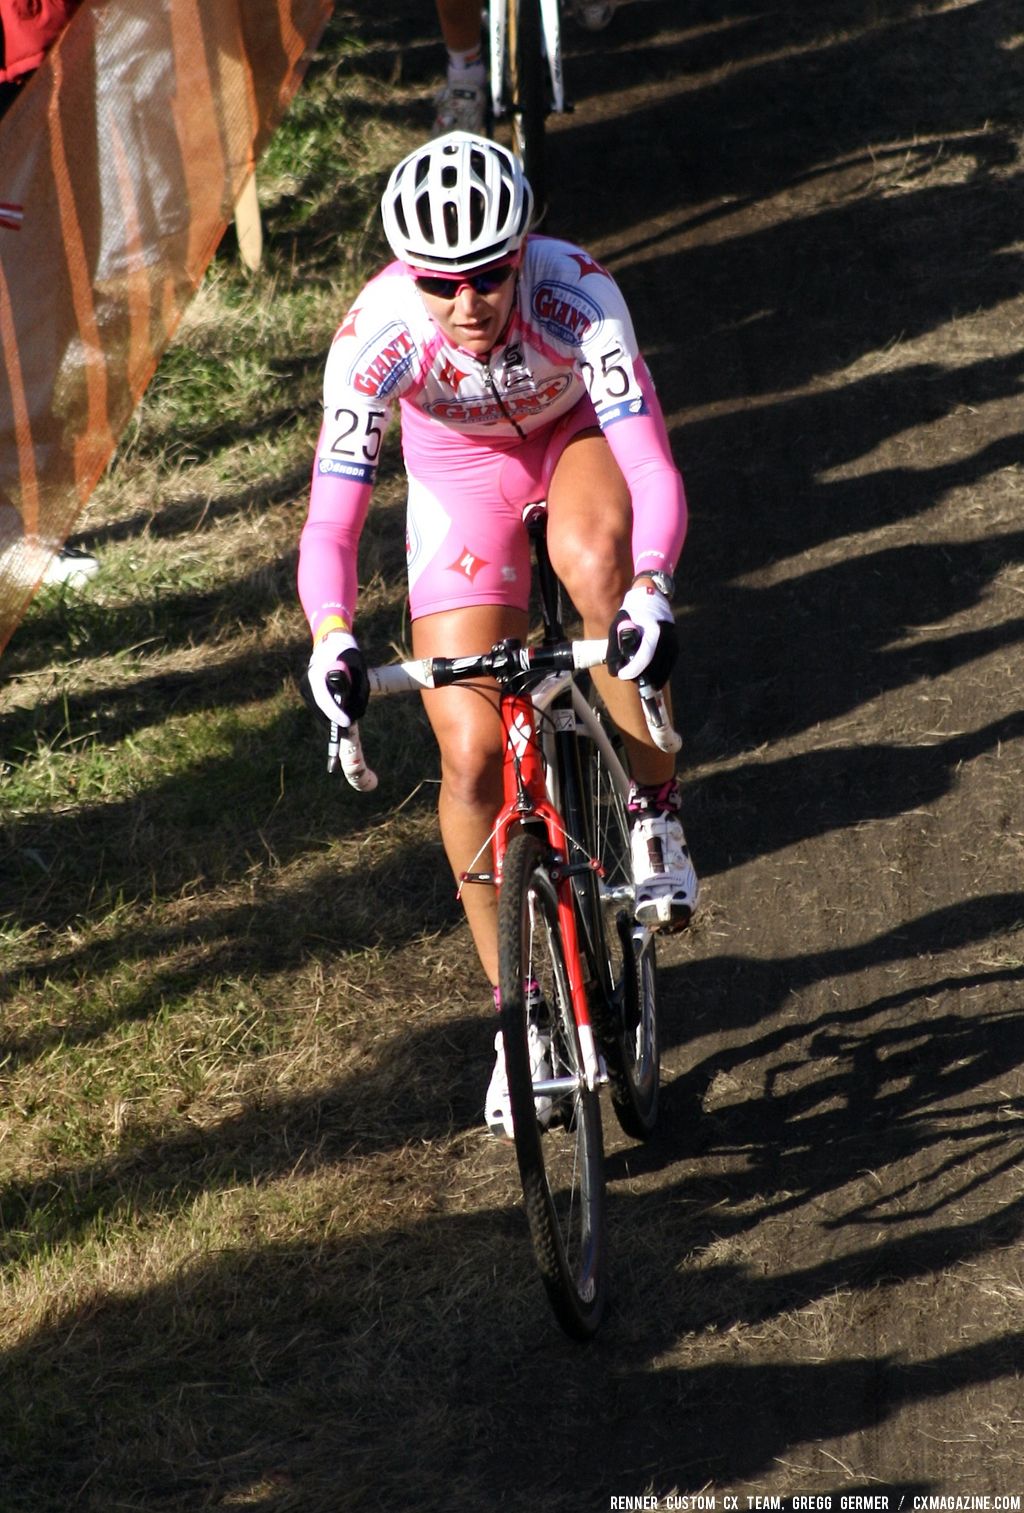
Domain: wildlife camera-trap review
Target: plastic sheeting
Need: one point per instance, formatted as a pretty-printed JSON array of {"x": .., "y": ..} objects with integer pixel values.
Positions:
[{"x": 120, "y": 165}]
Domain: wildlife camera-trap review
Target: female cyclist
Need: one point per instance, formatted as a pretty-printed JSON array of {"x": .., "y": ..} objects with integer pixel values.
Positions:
[{"x": 514, "y": 364}]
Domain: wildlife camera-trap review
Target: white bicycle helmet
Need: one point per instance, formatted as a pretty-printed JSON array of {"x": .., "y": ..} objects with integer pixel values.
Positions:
[{"x": 456, "y": 203}]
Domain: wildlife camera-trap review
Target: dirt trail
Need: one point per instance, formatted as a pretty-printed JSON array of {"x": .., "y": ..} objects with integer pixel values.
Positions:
[{"x": 816, "y": 215}]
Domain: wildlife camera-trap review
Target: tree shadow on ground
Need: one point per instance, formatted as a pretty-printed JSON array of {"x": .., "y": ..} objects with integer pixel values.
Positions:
[
  {"x": 250, "y": 1363},
  {"x": 856, "y": 1093},
  {"x": 739, "y": 106},
  {"x": 733, "y": 993},
  {"x": 760, "y": 808},
  {"x": 876, "y": 1094}
]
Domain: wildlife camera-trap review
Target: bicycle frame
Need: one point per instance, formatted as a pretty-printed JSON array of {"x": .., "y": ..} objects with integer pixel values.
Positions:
[
  {"x": 560, "y": 927},
  {"x": 527, "y": 800}
]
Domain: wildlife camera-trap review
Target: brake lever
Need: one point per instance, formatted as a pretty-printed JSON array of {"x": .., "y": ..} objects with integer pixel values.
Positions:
[
  {"x": 655, "y": 705},
  {"x": 344, "y": 747}
]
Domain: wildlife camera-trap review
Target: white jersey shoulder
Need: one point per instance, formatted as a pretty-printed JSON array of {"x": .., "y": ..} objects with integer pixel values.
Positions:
[
  {"x": 576, "y": 306},
  {"x": 378, "y": 346}
]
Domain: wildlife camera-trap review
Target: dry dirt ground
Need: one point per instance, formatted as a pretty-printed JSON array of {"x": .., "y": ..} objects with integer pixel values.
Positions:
[{"x": 816, "y": 213}]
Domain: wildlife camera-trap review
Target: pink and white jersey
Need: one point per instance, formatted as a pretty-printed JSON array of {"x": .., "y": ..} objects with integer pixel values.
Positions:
[{"x": 569, "y": 335}]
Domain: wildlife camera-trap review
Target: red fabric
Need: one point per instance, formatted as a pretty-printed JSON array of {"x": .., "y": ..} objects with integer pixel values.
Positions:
[{"x": 29, "y": 30}]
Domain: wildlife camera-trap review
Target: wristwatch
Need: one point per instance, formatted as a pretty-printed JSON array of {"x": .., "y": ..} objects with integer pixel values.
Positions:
[{"x": 663, "y": 582}]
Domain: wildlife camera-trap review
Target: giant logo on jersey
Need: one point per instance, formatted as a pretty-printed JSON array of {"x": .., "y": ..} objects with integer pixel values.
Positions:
[
  {"x": 566, "y": 312},
  {"x": 383, "y": 362},
  {"x": 482, "y": 410}
]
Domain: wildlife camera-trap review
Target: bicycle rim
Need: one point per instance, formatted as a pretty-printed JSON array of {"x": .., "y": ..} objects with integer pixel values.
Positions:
[
  {"x": 528, "y": 93},
  {"x": 624, "y": 950},
  {"x": 561, "y": 1166}
]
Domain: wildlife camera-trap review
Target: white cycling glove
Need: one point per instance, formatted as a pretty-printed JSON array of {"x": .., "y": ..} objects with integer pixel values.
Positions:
[
  {"x": 339, "y": 653},
  {"x": 647, "y": 612}
]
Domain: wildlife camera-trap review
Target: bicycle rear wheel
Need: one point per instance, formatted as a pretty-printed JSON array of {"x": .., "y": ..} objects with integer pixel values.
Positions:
[
  {"x": 526, "y": 69},
  {"x": 561, "y": 1167},
  {"x": 623, "y": 950}
]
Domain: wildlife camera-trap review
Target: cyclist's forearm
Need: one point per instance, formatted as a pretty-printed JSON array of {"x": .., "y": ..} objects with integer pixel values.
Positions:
[
  {"x": 640, "y": 445},
  {"x": 327, "y": 578},
  {"x": 659, "y": 517}
]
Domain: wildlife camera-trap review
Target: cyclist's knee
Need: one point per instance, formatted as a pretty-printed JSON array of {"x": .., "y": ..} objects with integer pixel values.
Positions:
[
  {"x": 595, "y": 577},
  {"x": 470, "y": 772}
]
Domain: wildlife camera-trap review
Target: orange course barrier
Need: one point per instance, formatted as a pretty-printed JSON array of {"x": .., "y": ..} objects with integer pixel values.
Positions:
[{"x": 120, "y": 165}]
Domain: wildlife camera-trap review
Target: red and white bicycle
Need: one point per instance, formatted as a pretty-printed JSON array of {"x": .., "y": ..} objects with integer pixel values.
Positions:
[{"x": 568, "y": 939}]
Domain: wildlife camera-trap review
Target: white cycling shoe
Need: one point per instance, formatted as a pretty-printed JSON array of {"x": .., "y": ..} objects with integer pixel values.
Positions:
[
  {"x": 666, "y": 884},
  {"x": 462, "y": 103},
  {"x": 497, "y": 1108}
]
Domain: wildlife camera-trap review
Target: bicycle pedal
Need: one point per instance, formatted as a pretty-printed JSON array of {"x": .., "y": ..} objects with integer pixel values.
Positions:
[
  {"x": 676, "y": 925},
  {"x": 661, "y": 917}
]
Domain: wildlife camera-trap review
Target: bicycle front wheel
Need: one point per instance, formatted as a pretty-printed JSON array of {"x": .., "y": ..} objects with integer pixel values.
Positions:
[
  {"x": 556, "y": 1118},
  {"x": 526, "y": 72}
]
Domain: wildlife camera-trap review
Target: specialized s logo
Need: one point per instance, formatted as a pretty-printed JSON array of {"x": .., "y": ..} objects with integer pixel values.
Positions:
[
  {"x": 519, "y": 736},
  {"x": 514, "y": 372},
  {"x": 383, "y": 362},
  {"x": 467, "y": 563},
  {"x": 567, "y": 313}
]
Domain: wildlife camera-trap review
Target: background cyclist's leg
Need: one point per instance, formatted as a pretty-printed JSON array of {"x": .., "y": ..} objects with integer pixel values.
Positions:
[
  {"x": 460, "y": 24},
  {"x": 467, "y": 727},
  {"x": 590, "y": 521},
  {"x": 462, "y": 104}
]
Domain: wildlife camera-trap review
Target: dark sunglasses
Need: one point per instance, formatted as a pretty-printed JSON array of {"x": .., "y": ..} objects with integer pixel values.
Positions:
[{"x": 482, "y": 283}]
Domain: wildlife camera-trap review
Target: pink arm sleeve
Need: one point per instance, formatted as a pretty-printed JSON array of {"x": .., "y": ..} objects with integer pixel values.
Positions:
[
  {"x": 328, "y": 585},
  {"x": 640, "y": 446}
]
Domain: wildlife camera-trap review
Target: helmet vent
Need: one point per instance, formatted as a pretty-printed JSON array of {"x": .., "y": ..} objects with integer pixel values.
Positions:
[{"x": 451, "y": 224}]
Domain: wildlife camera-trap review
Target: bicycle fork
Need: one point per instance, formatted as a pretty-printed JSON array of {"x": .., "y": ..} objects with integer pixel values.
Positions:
[
  {"x": 526, "y": 801},
  {"x": 551, "y": 36}
]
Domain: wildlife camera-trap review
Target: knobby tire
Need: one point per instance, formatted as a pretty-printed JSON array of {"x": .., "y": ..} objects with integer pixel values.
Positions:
[{"x": 561, "y": 1167}]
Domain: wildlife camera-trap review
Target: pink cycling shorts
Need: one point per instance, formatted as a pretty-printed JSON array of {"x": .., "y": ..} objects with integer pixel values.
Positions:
[{"x": 466, "y": 542}]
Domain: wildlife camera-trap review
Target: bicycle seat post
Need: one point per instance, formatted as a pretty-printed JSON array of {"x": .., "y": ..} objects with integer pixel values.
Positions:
[{"x": 548, "y": 587}]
